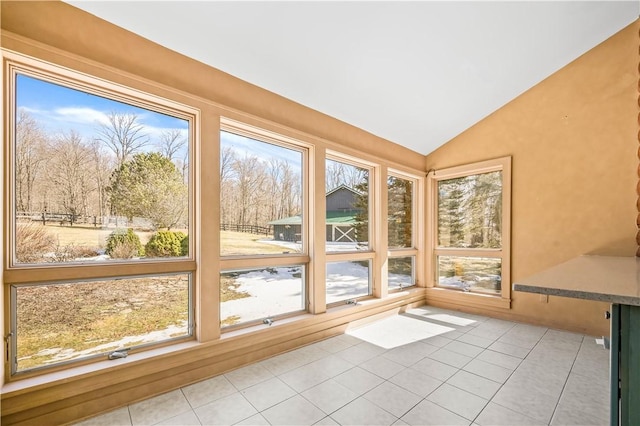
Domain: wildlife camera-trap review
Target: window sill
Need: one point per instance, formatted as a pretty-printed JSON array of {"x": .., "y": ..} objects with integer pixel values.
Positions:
[
  {"x": 477, "y": 300},
  {"x": 44, "y": 380}
]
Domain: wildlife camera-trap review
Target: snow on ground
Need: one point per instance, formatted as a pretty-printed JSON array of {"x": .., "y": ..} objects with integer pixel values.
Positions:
[
  {"x": 60, "y": 355},
  {"x": 280, "y": 290},
  {"x": 272, "y": 291}
]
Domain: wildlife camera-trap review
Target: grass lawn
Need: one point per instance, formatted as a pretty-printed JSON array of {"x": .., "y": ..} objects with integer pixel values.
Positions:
[
  {"x": 239, "y": 243},
  {"x": 232, "y": 243},
  {"x": 87, "y": 236},
  {"x": 60, "y": 322},
  {"x": 63, "y": 321}
]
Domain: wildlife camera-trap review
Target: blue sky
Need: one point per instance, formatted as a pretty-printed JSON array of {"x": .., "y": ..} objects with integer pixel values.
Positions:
[
  {"x": 244, "y": 146},
  {"x": 60, "y": 109}
]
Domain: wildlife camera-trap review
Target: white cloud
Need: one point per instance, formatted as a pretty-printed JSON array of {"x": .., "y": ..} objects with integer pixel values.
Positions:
[{"x": 80, "y": 115}]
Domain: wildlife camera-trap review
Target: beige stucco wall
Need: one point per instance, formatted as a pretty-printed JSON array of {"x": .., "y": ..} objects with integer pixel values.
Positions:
[{"x": 573, "y": 140}]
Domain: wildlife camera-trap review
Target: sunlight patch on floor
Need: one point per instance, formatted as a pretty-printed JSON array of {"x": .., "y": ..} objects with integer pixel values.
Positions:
[{"x": 397, "y": 331}]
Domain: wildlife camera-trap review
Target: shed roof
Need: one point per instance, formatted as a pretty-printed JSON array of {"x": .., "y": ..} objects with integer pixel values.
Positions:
[{"x": 337, "y": 217}]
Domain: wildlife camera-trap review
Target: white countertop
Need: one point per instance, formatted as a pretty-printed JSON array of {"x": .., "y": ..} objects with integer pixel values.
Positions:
[{"x": 613, "y": 279}]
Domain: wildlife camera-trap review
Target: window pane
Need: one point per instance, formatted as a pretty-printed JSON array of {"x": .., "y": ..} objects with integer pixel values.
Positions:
[
  {"x": 348, "y": 280},
  {"x": 95, "y": 179},
  {"x": 260, "y": 197},
  {"x": 470, "y": 211},
  {"x": 256, "y": 294},
  {"x": 400, "y": 212},
  {"x": 347, "y": 204},
  {"x": 476, "y": 274},
  {"x": 63, "y": 322},
  {"x": 401, "y": 272}
]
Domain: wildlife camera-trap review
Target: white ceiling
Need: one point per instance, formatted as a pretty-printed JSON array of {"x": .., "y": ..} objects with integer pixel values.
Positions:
[{"x": 416, "y": 73}]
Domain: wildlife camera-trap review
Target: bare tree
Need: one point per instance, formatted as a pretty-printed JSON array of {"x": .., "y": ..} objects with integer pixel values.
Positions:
[
  {"x": 172, "y": 141},
  {"x": 338, "y": 173},
  {"x": 227, "y": 158},
  {"x": 250, "y": 177},
  {"x": 30, "y": 154},
  {"x": 102, "y": 165},
  {"x": 71, "y": 174},
  {"x": 291, "y": 191},
  {"x": 124, "y": 135}
]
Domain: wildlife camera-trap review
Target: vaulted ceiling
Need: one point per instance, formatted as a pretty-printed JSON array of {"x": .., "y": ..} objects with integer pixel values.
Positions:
[{"x": 416, "y": 73}]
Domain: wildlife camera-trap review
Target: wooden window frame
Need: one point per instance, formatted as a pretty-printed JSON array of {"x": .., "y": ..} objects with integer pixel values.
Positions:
[
  {"x": 417, "y": 242},
  {"x": 376, "y": 284},
  {"x": 17, "y": 274},
  {"x": 255, "y": 261},
  {"x": 502, "y": 301}
]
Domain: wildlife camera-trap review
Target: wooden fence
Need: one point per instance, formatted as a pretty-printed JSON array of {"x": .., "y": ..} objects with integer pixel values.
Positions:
[{"x": 250, "y": 229}]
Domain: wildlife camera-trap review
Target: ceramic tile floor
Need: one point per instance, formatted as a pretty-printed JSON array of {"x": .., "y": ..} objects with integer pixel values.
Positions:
[{"x": 428, "y": 366}]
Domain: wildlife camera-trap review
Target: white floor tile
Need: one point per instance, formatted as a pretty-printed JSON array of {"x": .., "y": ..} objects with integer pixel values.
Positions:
[
  {"x": 584, "y": 400},
  {"x": 267, "y": 394},
  {"x": 332, "y": 364},
  {"x": 463, "y": 348},
  {"x": 450, "y": 358},
  {"x": 285, "y": 362},
  {"x": 327, "y": 421},
  {"x": 435, "y": 369},
  {"x": 475, "y": 384},
  {"x": 329, "y": 396},
  {"x": 393, "y": 398},
  {"x": 496, "y": 373},
  {"x": 500, "y": 359},
  {"x": 497, "y": 415},
  {"x": 458, "y": 401},
  {"x": 408, "y": 355},
  {"x": 305, "y": 377},
  {"x": 475, "y": 340},
  {"x": 255, "y": 420},
  {"x": 363, "y": 412},
  {"x": 225, "y": 411},
  {"x": 359, "y": 380},
  {"x": 159, "y": 408},
  {"x": 207, "y": 391},
  {"x": 383, "y": 367},
  {"x": 333, "y": 345},
  {"x": 528, "y": 401},
  {"x": 294, "y": 411},
  {"x": 508, "y": 349},
  {"x": 427, "y": 413},
  {"x": 488, "y": 371},
  {"x": 414, "y": 381},
  {"x": 360, "y": 353},
  {"x": 248, "y": 376},
  {"x": 436, "y": 340},
  {"x": 119, "y": 417},
  {"x": 186, "y": 419}
]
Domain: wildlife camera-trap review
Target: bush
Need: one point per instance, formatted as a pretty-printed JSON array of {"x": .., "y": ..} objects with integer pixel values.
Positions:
[
  {"x": 184, "y": 246},
  {"x": 123, "y": 244},
  {"x": 72, "y": 252},
  {"x": 165, "y": 244},
  {"x": 33, "y": 241}
]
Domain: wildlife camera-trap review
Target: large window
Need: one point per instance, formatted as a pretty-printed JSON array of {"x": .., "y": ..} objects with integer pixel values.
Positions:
[
  {"x": 96, "y": 179},
  {"x": 263, "y": 226},
  {"x": 348, "y": 188},
  {"x": 104, "y": 227},
  {"x": 261, "y": 294},
  {"x": 472, "y": 227},
  {"x": 347, "y": 205},
  {"x": 61, "y": 322},
  {"x": 401, "y": 212},
  {"x": 100, "y": 257},
  {"x": 260, "y": 196}
]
